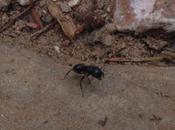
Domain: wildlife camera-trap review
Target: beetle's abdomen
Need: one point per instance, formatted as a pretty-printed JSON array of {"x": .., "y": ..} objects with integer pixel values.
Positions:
[{"x": 94, "y": 71}]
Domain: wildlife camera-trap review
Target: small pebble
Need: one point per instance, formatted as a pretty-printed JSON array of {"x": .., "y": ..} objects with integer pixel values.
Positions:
[
  {"x": 64, "y": 7},
  {"x": 24, "y": 2},
  {"x": 108, "y": 40},
  {"x": 73, "y": 3},
  {"x": 57, "y": 49}
]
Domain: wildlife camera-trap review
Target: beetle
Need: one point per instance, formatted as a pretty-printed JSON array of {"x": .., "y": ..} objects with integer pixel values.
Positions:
[{"x": 86, "y": 71}]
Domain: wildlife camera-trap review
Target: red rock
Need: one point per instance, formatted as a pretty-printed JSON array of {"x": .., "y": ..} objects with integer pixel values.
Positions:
[{"x": 141, "y": 15}]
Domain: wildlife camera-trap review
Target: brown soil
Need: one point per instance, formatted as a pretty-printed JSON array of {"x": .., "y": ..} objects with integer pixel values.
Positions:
[{"x": 56, "y": 46}]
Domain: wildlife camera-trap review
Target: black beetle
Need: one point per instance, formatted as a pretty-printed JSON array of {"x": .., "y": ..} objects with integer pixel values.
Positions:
[{"x": 86, "y": 71}]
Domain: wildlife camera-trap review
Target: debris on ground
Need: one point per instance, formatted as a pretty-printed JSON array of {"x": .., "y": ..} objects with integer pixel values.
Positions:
[{"x": 92, "y": 31}]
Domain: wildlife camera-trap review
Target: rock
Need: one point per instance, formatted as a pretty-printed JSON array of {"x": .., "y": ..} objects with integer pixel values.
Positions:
[
  {"x": 110, "y": 27},
  {"x": 101, "y": 36},
  {"x": 64, "y": 7},
  {"x": 4, "y": 4},
  {"x": 57, "y": 49},
  {"x": 24, "y": 2},
  {"x": 73, "y": 3},
  {"x": 141, "y": 15},
  {"x": 108, "y": 40}
]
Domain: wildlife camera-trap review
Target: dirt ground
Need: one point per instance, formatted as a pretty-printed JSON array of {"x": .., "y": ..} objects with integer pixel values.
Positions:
[
  {"x": 133, "y": 96},
  {"x": 33, "y": 96}
]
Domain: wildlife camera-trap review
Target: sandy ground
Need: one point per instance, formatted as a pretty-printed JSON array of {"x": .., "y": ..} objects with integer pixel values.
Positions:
[{"x": 33, "y": 96}]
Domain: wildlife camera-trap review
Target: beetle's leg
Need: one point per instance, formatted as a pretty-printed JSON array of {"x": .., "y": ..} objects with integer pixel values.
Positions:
[
  {"x": 81, "y": 87},
  {"x": 67, "y": 73},
  {"x": 89, "y": 79}
]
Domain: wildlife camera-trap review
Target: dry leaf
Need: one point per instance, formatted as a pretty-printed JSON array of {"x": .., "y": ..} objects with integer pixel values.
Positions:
[{"x": 65, "y": 22}]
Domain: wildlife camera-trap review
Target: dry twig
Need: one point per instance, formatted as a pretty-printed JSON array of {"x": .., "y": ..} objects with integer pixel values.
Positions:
[{"x": 38, "y": 33}]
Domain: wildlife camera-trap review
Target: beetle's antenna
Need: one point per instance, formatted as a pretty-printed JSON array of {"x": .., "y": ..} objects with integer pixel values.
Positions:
[{"x": 67, "y": 73}]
